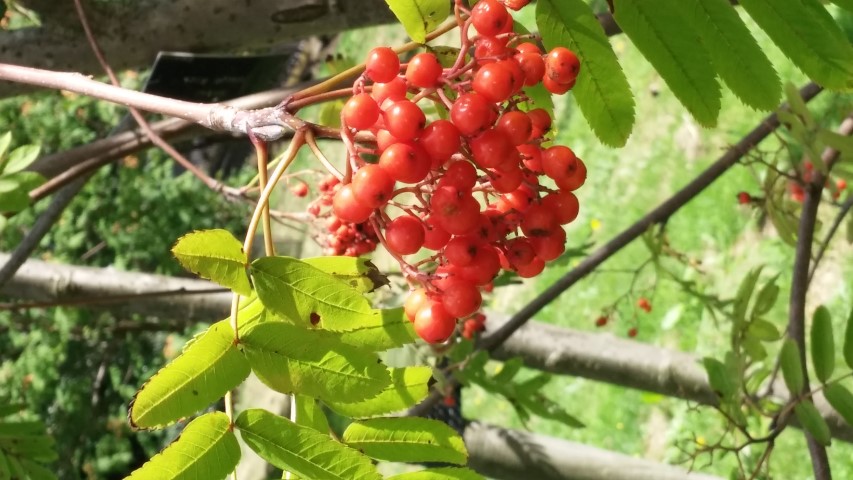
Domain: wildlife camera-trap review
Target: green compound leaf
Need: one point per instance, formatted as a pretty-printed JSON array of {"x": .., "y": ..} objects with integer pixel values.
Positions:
[
  {"x": 290, "y": 359},
  {"x": 848, "y": 340},
  {"x": 206, "y": 450},
  {"x": 5, "y": 469},
  {"x": 822, "y": 344},
  {"x": 601, "y": 91},
  {"x": 841, "y": 400},
  {"x": 739, "y": 60},
  {"x": 766, "y": 298},
  {"x": 211, "y": 366},
  {"x": 301, "y": 450},
  {"x": 383, "y": 330},
  {"x": 845, "y": 4},
  {"x": 307, "y": 295},
  {"x": 792, "y": 367},
  {"x": 744, "y": 293},
  {"x": 36, "y": 471},
  {"x": 420, "y": 17},
  {"x": 357, "y": 272},
  {"x": 810, "y": 39},
  {"x": 763, "y": 330},
  {"x": 21, "y": 158},
  {"x": 407, "y": 439},
  {"x": 447, "y": 473},
  {"x": 215, "y": 255},
  {"x": 310, "y": 414},
  {"x": 408, "y": 386},
  {"x": 809, "y": 417},
  {"x": 670, "y": 44}
]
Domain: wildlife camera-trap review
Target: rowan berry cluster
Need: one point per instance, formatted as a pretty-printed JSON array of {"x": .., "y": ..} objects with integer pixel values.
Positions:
[
  {"x": 340, "y": 237},
  {"x": 465, "y": 186}
]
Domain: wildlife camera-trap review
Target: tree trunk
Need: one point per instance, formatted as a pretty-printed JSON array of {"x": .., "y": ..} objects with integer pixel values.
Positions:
[{"x": 131, "y": 33}]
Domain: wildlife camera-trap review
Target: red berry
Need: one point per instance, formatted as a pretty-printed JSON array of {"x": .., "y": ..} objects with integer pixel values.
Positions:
[
  {"x": 506, "y": 180},
  {"x": 435, "y": 236},
  {"x": 433, "y": 323},
  {"x": 539, "y": 221},
  {"x": 541, "y": 121},
  {"x": 528, "y": 47},
  {"x": 348, "y": 208},
  {"x": 471, "y": 113},
  {"x": 644, "y": 304},
  {"x": 493, "y": 81},
  {"x": 300, "y": 189},
  {"x": 395, "y": 90},
  {"x": 520, "y": 198},
  {"x": 372, "y": 185},
  {"x": 556, "y": 88},
  {"x": 531, "y": 156},
  {"x": 490, "y": 18},
  {"x": 533, "y": 67},
  {"x": 574, "y": 181},
  {"x": 601, "y": 321},
  {"x": 382, "y": 64},
  {"x": 532, "y": 269},
  {"x": 632, "y": 332},
  {"x": 461, "y": 298},
  {"x": 491, "y": 49},
  {"x": 441, "y": 140},
  {"x": 516, "y": 126},
  {"x": 743, "y": 198},
  {"x": 384, "y": 139},
  {"x": 841, "y": 184},
  {"x": 559, "y": 162},
  {"x": 456, "y": 211},
  {"x": 423, "y": 70},
  {"x": 460, "y": 174},
  {"x": 562, "y": 65},
  {"x": 515, "y": 4},
  {"x": 550, "y": 247},
  {"x": 405, "y": 162},
  {"x": 484, "y": 267},
  {"x": 414, "y": 302},
  {"x": 461, "y": 250},
  {"x": 361, "y": 112},
  {"x": 404, "y": 235},
  {"x": 519, "y": 252},
  {"x": 564, "y": 204},
  {"x": 491, "y": 148},
  {"x": 405, "y": 120}
]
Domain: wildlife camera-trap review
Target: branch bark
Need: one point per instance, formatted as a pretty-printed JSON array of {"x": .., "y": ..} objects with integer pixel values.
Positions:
[
  {"x": 132, "y": 33},
  {"x": 512, "y": 454},
  {"x": 562, "y": 351}
]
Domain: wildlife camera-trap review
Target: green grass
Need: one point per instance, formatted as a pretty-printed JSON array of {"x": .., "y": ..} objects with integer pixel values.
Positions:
[{"x": 666, "y": 150}]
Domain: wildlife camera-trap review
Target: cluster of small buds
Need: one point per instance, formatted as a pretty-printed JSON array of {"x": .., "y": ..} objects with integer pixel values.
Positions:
[{"x": 465, "y": 187}]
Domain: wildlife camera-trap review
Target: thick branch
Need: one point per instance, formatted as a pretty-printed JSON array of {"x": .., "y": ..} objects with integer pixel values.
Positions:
[
  {"x": 132, "y": 33},
  {"x": 512, "y": 454}
]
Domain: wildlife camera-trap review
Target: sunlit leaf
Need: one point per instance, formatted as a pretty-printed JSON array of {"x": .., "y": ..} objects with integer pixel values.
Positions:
[
  {"x": 199, "y": 376},
  {"x": 601, "y": 91},
  {"x": 447, "y": 473},
  {"x": 21, "y": 158},
  {"x": 302, "y": 450},
  {"x": 310, "y": 414},
  {"x": 215, "y": 255},
  {"x": 291, "y": 359},
  {"x": 744, "y": 293},
  {"x": 357, "y": 272},
  {"x": 408, "y": 386},
  {"x": 764, "y": 331},
  {"x": 719, "y": 377},
  {"x": 407, "y": 439},
  {"x": 383, "y": 330},
  {"x": 848, "y": 340},
  {"x": 206, "y": 450},
  {"x": 420, "y": 17},
  {"x": 309, "y": 296},
  {"x": 813, "y": 42}
]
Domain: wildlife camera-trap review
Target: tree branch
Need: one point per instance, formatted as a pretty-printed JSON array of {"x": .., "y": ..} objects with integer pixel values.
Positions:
[{"x": 511, "y": 454}]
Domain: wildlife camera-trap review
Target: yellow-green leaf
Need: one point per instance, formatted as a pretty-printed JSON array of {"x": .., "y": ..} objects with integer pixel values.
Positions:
[
  {"x": 309, "y": 296},
  {"x": 408, "y": 386},
  {"x": 199, "y": 376},
  {"x": 812, "y": 41},
  {"x": 207, "y": 449},
  {"x": 601, "y": 90},
  {"x": 446, "y": 473},
  {"x": 310, "y": 414},
  {"x": 407, "y": 439},
  {"x": 291, "y": 359},
  {"x": 357, "y": 272},
  {"x": 383, "y": 330},
  {"x": 792, "y": 367},
  {"x": 848, "y": 338},
  {"x": 822, "y": 344},
  {"x": 302, "y": 450},
  {"x": 215, "y": 255},
  {"x": 420, "y": 17},
  {"x": 809, "y": 417},
  {"x": 670, "y": 44}
]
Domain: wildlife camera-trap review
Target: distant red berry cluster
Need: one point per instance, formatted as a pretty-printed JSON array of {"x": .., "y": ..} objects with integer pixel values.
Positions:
[{"x": 466, "y": 186}]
